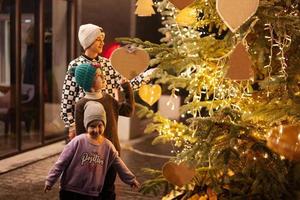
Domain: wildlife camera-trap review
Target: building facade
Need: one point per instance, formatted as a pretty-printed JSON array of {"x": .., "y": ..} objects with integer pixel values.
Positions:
[{"x": 37, "y": 39}]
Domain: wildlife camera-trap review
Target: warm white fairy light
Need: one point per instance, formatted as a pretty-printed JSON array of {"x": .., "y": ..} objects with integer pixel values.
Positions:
[
  {"x": 266, "y": 155},
  {"x": 204, "y": 78},
  {"x": 282, "y": 44},
  {"x": 168, "y": 12},
  {"x": 170, "y": 103}
]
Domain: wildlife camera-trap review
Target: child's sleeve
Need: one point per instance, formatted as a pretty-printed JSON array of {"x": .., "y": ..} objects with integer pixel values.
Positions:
[
  {"x": 62, "y": 162},
  {"x": 126, "y": 107},
  {"x": 124, "y": 173},
  {"x": 142, "y": 78}
]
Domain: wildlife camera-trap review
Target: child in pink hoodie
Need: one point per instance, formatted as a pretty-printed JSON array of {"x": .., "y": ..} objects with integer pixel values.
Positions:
[{"x": 85, "y": 160}]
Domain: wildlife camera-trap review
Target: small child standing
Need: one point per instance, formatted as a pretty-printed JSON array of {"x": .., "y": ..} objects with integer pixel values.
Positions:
[
  {"x": 89, "y": 77},
  {"x": 84, "y": 162}
]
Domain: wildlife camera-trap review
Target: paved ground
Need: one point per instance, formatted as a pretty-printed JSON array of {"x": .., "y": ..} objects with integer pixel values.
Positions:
[{"x": 27, "y": 183}]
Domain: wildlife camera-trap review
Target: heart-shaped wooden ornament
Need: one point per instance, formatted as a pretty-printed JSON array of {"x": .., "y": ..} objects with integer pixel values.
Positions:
[
  {"x": 239, "y": 64},
  {"x": 130, "y": 62},
  {"x": 235, "y": 13},
  {"x": 150, "y": 93},
  {"x": 179, "y": 175},
  {"x": 181, "y": 4}
]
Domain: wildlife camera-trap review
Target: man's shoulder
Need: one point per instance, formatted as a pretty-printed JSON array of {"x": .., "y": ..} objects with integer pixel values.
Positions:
[
  {"x": 78, "y": 61},
  {"x": 81, "y": 59},
  {"x": 103, "y": 59},
  {"x": 106, "y": 62}
]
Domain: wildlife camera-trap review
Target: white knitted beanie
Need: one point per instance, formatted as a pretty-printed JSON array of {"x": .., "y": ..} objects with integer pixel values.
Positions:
[{"x": 88, "y": 33}]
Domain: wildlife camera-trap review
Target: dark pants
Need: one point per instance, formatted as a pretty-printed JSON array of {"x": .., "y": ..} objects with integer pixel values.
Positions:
[
  {"x": 67, "y": 195},
  {"x": 66, "y": 133},
  {"x": 108, "y": 190}
]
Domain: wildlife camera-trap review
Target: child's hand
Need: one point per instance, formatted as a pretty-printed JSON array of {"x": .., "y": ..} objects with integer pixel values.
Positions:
[
  {"x": 47, "y": 188},
  {"x": 135, "y": 185},
  {"x": 72, "y": 133}
]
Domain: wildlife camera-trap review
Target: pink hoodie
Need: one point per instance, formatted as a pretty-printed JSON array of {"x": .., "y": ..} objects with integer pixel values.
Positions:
[{"x": 83, "y": 166}]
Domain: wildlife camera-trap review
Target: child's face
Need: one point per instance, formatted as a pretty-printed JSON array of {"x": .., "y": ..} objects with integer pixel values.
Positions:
[
  {"x": 96, "y": 128},
  {"x": 97, "y": 46},
  {"x": 99, "y": 81}
]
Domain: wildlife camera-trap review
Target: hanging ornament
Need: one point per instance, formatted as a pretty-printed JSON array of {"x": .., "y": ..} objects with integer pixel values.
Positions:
[
  {"x": 168, "y": 106},
  {"x": 179, "y": 175},
  {"x": 144, "y": 8},
  {"x": 187, "y": 16},
  {"x": 181, "y": 4},
  {"x": 150, "y": 93},
  {"x": 235, "y": 13},
  {"x": 285, "y": 140},
  {"x": 130, "y": 61},
  {"x": 239, "y": 64}
]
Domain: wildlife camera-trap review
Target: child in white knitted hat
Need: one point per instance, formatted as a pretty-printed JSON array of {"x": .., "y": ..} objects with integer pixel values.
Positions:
[{"x": 84, "y": 162}]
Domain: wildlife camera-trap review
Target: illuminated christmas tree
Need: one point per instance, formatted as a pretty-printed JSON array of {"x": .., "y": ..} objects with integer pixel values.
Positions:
[{"x": 241, "y": 136}]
